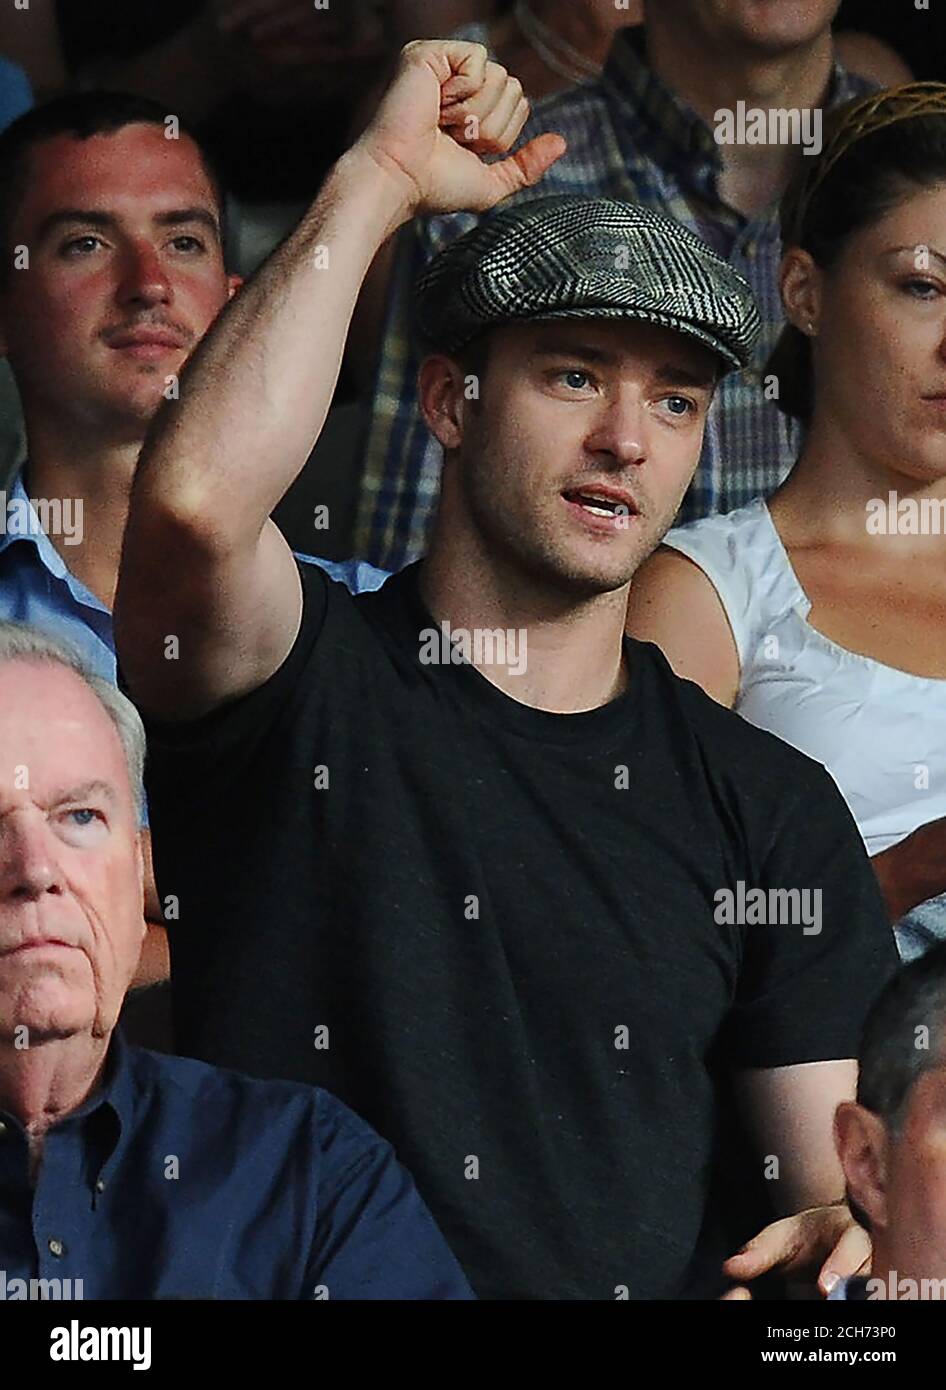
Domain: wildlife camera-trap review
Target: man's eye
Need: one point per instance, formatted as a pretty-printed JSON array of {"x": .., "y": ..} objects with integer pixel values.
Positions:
[
  {"x": 922, "y": 289},
  {"x": 679, "y": 405},
  {"x": 80, "y": 246},
  {"x": 83, "y": 815},
  {"x": 188, "y": 243},
  {"x": 576, "y": 380}
]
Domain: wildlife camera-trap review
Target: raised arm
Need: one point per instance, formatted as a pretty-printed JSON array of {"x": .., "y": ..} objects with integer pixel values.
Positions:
[
  {"x": 202, "y": 562},
  {"x": 674, "y": 605}
]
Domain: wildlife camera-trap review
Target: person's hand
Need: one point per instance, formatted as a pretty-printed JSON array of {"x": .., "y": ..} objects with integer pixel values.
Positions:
[
  {"x": 822, "y": 1241},
  {"x": 447, "y": 107}
]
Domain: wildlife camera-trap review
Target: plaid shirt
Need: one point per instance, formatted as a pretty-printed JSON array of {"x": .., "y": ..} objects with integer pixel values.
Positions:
[{"x": 628, "y": 137}]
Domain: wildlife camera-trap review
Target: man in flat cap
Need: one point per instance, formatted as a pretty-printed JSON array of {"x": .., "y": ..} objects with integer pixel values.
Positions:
[{"x": 458, "y": 850}]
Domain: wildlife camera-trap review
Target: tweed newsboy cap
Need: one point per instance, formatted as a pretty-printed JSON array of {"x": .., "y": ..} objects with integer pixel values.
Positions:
[{"x": 566, "y": 257}]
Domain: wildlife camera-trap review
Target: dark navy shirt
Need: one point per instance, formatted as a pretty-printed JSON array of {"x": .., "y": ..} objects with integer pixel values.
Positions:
[{"x": 180, "y": 1180}]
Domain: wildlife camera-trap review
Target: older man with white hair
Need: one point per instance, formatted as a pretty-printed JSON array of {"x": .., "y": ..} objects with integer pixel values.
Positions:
[{"x": 145, "y": 1176}]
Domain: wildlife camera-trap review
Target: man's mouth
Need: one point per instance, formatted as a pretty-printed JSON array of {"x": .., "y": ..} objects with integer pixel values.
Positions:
[
  {"x": 603, "y": 502},
  {"x": 34, "y": 943},
  {"x": 157, "y": 338}
]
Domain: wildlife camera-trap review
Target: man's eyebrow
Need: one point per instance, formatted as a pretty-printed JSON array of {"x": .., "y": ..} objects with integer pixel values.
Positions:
[
  {"x": 672, "y": 375},
  {"x": 69, "y": 216},
  {"x": 668, "y": 374},
  {"x": 107, "y": 221},
  {"x": 915, "y": 250},
  {"x": 177, "y": 216},
  {"x": 583, "y": 350},
  {"x": 87, "y": 791}
]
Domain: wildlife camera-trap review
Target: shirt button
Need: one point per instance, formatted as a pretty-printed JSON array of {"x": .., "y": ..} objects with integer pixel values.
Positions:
[
  {"x": 749, "y": 250},
  {"x": 56, "y": 1248},
  {"x": 100, "y": 1186}
]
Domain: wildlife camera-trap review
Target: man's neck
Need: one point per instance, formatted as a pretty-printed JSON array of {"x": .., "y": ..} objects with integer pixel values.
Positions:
[
  {"x": 564, "y": 655},
  {"x": 99, "y": 476},
  {"x": 43, "y": 1083},
  {"x": 713, "y": 79}
]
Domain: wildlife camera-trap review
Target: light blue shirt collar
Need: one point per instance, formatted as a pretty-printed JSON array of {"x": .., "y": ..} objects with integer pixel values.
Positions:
[{"x": 51, "y": 560}]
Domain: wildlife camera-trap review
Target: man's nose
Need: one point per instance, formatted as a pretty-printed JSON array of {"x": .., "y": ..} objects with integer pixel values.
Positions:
[
  {"x": 618, "y": 434},
  {"x": 144, "y": 279},
  {"x": 28, "y": 861}
]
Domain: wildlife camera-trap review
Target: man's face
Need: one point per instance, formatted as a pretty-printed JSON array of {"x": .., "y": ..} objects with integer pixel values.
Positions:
[
  {"x": 915, "y": 1215},
  {"x": 764, "y": 27},
  {"x": 125, "y": 276},
  {"x": 71, "y": 897},
  {"x": 575, "y": 461}
]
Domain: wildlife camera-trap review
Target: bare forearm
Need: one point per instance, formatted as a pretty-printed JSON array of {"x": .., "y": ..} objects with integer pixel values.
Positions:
[
  {"x": 789, "y": 1113},
  {"x": 255, "y": 395}
]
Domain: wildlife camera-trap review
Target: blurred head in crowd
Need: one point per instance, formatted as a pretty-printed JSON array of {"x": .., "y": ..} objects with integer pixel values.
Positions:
[
  {"x": 864, "y": 225},
  {"x": 892, "y": 1141},
  {"x": 111, "y": 263},
  {"x": 746, "y": 27},
  {"x": 71, "y": 921}
]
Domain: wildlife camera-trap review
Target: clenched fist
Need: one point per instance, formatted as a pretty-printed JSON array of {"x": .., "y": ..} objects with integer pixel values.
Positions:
[{"x": 446, "y": 109}]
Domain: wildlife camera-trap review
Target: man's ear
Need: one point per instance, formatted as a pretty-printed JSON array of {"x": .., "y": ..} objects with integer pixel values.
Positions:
[
  {"x": 863, "y": 1144},
  {"x": 801, "y": 284},
  {"x": 234, "y": 283},
  {"x": 442, "y": 393}
]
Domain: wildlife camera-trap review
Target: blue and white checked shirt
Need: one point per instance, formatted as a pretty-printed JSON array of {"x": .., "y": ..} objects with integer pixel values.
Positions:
[{"x": 628, "y": 137}]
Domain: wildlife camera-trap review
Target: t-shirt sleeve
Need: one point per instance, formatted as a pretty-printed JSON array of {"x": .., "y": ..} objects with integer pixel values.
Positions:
[
  {"x": 227, "y": 739},
  {"x": 819, "y": 948},
  {"x": 375, "y": 1238}
]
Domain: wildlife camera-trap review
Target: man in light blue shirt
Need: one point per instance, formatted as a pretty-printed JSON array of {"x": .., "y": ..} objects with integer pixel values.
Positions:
[
  {"x": 112, "y": 269},
  {"x": 37, "y": 586}
]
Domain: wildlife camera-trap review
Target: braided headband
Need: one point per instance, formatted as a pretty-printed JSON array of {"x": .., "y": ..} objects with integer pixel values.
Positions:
[{"x": 855, "y": 120}]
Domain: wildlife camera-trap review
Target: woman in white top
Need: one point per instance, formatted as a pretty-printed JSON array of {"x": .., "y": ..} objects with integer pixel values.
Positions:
[{"x": 821, "y": 615}]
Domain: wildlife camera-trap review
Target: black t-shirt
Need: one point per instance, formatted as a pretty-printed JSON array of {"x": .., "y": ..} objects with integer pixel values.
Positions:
[{"x": 505, "y": 919}]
